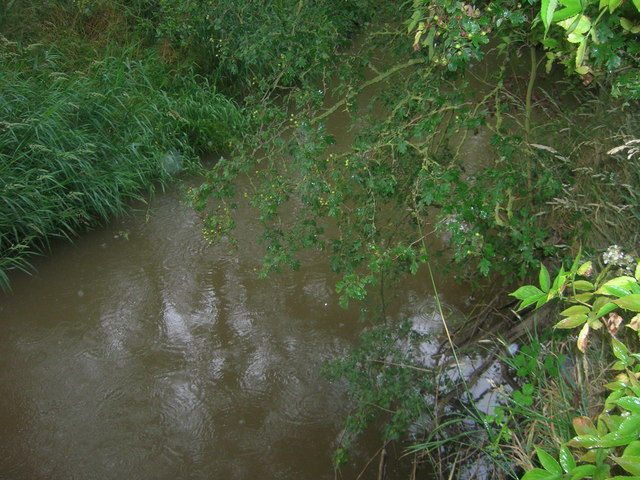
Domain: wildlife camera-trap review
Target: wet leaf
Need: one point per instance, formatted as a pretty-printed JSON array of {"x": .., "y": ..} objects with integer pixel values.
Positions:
[
  {"x": 630, "y": 403},
  {"x": 584, "y": 441},
  {"x": 567, "y": 461},
  {"x": 620, "y": 350}
]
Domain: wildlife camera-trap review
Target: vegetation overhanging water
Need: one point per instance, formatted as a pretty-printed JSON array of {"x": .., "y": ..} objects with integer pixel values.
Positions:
[{"x": 104, "y": 98}]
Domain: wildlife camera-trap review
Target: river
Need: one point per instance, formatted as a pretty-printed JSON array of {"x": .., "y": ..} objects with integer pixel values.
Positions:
[{"x": 141, "y": 352}]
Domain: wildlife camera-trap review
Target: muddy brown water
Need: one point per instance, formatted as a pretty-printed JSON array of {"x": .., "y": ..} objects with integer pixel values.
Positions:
[{"x": 141, "y": 352}]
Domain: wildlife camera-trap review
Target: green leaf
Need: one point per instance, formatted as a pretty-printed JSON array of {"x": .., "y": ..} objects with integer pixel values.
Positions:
[
  {"x": 624, "y": 282},
  {"x": 613, "y": 291},
  {"x": 626, "y": 23},
  {"x": 584, "y": 426},
  {"x": 539, "y": 474},
  {"x": 541, "y": 299},
  {"x": 620, "y": 350},
  {"x": 526, "y": 291},
  {"x": 606, "y": 308},
  {"x": 637, "y": 4},
  {"x": 575, "y": 310},
  {"x": 572, "y": 321},
  {"x": 630, "y": 463},
  {"x": 583, "y": 285},
  {"x": 583, "y": 471},
  {"x": 582, "y": 70},
  {"x": 580, "y": 53},
  {"x": 545, "y": 279},
  {"x": 632, "y": 449},
  {"x": 613, "y": 4},
  {"x": 549, "y": 463},
  {"x": 630, "y": 403},
  {"x": 630, "y": 426},
  {"x": 637, "y": 272},
  {"x": 630, "y": 302},
  {"x": 547, "y": 8},
  {"x": 584, "y": 441},
  {"x": 584, "y": 268},
  {"x": 559, "y": 280},
  {"x": 567, "y": 461}
]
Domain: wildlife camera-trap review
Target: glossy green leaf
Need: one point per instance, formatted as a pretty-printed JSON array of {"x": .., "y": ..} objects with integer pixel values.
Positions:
[
  {"x": 630, "y": 426},
  {"x": 613, "y": 291},
  {"x": 620, "y": 350},
  {"x": 613, "y": 397},
  {"x": 567, "y": 462},
  {"x": 624, "y": 281},
  {"x": 584, "y": 441},
  {"x": 630, "y": 403}
]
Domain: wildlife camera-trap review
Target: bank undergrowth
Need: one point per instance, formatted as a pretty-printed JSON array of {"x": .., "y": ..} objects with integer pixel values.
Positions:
[{"x": 77, "y": 146}]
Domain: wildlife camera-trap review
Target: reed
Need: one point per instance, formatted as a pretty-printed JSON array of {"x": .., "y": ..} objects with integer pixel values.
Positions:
[{"x": 77, "y": 146}]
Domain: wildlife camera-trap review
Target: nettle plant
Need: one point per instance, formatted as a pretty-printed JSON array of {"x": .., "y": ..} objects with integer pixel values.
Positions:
[{"x": 607, "y": 446}]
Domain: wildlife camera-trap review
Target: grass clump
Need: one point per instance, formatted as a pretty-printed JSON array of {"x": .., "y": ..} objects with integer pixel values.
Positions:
[{"x": 76, "y": 146}]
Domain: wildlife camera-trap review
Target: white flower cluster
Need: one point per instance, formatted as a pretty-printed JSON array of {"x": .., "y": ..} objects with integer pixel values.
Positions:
[{"x": 616, "y": 257}]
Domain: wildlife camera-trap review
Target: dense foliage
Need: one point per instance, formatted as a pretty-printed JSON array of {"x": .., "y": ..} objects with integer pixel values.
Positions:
[{"x": 464, "y": 142}]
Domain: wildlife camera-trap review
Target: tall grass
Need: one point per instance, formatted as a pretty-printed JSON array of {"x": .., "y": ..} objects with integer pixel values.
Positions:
[{"x": 75, "y": 146}]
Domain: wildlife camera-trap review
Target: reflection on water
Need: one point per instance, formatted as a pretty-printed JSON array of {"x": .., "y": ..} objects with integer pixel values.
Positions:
[{"x": 141, "y": 352}]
